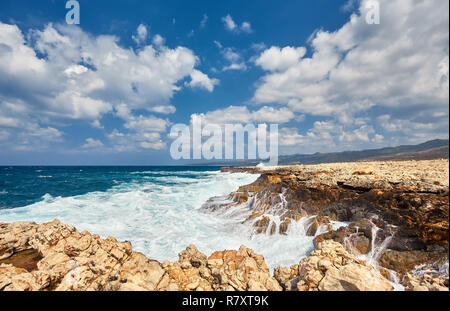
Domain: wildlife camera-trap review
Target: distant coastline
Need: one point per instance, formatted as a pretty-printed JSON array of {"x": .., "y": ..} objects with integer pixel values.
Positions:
[{"x": 430, "y": 150}]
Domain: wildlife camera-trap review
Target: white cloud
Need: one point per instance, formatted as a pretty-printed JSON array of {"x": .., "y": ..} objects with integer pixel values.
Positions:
[
  {"x": 234, "y": 59},
  {"x": 328, "y": 135},
  {"x": 381, "y": 64},
  {"x": 378, "y": 138},
  {"x": 232, "y": 26},
  {"x": 229, "y": 23},
  {"x": 8, "y": 122},
  {"x": 290, "y": 137},
  {"x": 141, "y": 34},
  {"x": 67, "y": 89},
  {"x": 61, "y": 73},
  {"x": 135, "y": 141},
  {"x": 231, "y": 55},
  {"x": 259, "y": 46},
  {"x": 273, "y": 115},
  {"x": 276, "y": 59},
  {"x": 350, "y": 5},
  {"x": 156, "y": 145},
  {"x": 143, "y": 132},
  {"x": 414, "y": 130},
  {"x": 165, "y": 109},
  {"x": 246, "y": 27},
  {"x": 235, "y": 66},
  {"x": 29, "y": 135},
  {"x": 146, "y": 124},
  {"x": 158, "y": 40},
  {"x": 92, "y": 144},
  {"x": 241, "y": 114},
  {"x": 48, "y": 133},
  {"x": 201, "y": 80},
  {"x": 360, "y": 134},
  {"x": 398, "y": 68}
]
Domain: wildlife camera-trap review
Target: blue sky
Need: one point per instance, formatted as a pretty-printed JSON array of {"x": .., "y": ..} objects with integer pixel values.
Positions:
[{"x": 108, "y": 90}]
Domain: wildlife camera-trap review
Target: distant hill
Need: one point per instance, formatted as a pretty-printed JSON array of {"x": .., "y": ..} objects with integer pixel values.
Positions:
[
  {"x": 433, "y": 149},
  {"x": 429, "y": 154}
]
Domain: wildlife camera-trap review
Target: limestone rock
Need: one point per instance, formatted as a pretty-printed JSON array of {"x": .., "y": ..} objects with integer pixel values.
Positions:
[
  {"x": 55, "y": 256},
  {"x": 403, "y": 262},
  {"x": 241, "y": 270},
  {"x": 354, "y": 277},
  {"x": 331, "y": 268},
  {"x": 427, "y": 282},
  {"x": 287, "y": 277},
  {"x": 17, "y": 279}
]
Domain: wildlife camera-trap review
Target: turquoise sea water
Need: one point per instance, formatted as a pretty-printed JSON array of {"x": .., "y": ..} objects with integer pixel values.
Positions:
[
  {"x": 158, "y": 209},
  {"x": 24, "y": 185}
]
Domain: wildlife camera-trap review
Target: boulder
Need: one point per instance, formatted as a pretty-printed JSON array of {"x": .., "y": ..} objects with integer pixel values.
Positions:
[
  {"x": 427, "y": 282},
  {"x": 55, "y": 256},
  {"x": 331, "y": 268},
  {"x": 405, "y": 261},
  {"x": 287, "y": 277}
]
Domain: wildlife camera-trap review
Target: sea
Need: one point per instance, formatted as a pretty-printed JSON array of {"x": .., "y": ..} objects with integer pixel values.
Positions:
[{"x": 160, "y": 210}]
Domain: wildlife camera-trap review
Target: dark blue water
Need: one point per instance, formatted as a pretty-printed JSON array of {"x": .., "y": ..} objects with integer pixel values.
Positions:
[
  {"x": 21, "y": 186},
  {"x": 158, "y": 209}
]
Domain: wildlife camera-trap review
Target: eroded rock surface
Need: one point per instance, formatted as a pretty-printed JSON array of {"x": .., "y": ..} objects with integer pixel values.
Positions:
[
  {"x": 396, "y": 211},
  {"x": 55, "y": 256},
  {"x": 61, "y": 258},
  {"x": 426, "y": 282},
  {"x": 331, "y": 268},
  {"x": 396, "y": 215}
]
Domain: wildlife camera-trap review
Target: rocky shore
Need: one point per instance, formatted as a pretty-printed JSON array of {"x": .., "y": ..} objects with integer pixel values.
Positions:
[
  {"x": 396, "y": 234},
  {"x": 397, "y": 211}
]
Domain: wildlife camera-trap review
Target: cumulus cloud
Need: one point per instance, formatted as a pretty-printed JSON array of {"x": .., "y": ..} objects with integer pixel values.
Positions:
[
  {"x": 60, "y": 74},
  {"x": 235, "y": 66},
  {"x": 158, "y": 40},
  {"x": 229, "y": 23},
  {"x": 241, "y": 114},
  {"x": 359, "y": 62},
  {"x": 141, "y": 34},
  {"x": 232, "y": 57},
  {"x": 398, "y": 68},
  {"x": 29, "y": 135},
  {"x": 143, "y": 131},
  {"x": 246, "y": 27},
  {"x": 277, "y": 59},
  {"x": 328, "y": 135},
  {"x": 201, "y": 80},
  {"x": 350, "y": 5},
  {"x": 232, "y": 26},
  {"x": 259, "y": 46},
  {"x": 134, "y": 141},
  {"x": 92, "y": 143}
]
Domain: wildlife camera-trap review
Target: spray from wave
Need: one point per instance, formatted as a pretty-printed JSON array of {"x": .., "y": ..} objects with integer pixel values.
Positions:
[{"x": 160, "y": 214}]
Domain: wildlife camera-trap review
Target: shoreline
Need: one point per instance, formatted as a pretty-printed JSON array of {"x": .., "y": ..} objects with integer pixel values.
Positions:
[{"x": 402, "y": 202}]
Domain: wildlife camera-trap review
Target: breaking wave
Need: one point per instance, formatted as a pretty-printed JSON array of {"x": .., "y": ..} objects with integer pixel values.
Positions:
[{"x": 160, "y": 214}]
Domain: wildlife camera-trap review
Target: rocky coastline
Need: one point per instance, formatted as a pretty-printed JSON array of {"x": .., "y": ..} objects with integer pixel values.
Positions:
[{"x": 396, "y": 234}]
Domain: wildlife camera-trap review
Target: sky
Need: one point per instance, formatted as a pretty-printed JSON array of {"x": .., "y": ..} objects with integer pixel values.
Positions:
[{"x": 108, "y": 90}]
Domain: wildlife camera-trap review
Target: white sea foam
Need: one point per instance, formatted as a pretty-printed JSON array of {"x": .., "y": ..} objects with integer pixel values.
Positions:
[{"x": 161, "y": 220}]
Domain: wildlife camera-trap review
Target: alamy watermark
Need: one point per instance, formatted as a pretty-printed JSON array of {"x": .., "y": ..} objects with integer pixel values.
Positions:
[
  {"x": 73, "y": 15},
  {"x": 228, "y": 141},
  {"x": 372, "y": 9}
]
